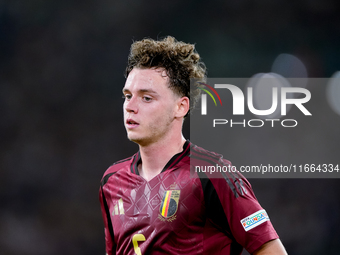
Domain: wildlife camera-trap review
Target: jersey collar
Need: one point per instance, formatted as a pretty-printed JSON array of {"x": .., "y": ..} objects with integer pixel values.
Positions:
[{"x": 171, "y": 163}]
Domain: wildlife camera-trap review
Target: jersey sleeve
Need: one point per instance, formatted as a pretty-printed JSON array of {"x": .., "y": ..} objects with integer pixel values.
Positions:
[
  {"x": 244, "y": 218},
  {"x": 108, "y": 230}
]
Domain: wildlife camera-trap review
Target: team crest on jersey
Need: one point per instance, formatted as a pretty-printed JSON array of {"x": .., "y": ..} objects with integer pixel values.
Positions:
[{"x": 169, "y": 204}]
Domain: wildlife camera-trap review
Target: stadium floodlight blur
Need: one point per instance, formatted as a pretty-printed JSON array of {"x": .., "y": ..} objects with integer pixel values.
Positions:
[
  {"x": 333, "y": 92},
  {"x": 262, "y": 85},
  {"x": 290, "y": 66}
]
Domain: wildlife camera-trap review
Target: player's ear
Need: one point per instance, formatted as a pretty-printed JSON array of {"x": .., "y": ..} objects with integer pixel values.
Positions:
[{"x": 183, "y": 105}]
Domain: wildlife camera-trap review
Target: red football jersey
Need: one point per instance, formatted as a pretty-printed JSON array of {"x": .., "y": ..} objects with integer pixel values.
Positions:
[{"x": 181, "y": 210}]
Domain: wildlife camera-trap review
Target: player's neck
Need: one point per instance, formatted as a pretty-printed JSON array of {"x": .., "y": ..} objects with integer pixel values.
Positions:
[{"x": 155, "y": 156}]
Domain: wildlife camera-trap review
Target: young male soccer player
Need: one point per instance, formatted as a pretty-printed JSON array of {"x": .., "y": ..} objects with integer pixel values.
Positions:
[{"x": 152, "y": 202}]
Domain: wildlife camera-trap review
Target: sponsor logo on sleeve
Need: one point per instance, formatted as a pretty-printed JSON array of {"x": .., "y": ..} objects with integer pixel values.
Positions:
[{"x": 254, "y": 220}]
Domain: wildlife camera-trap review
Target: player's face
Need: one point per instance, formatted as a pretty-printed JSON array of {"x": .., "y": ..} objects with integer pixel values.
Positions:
[{"x": 149, "y": 107}]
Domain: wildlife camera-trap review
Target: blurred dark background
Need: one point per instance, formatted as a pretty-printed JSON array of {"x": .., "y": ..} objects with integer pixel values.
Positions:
[{"x": 61, "y": 74}]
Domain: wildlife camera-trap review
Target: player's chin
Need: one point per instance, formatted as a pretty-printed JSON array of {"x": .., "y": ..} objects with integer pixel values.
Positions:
[
  {"x": 139, "y": 140},
  {"x": 133, "y": 137}
]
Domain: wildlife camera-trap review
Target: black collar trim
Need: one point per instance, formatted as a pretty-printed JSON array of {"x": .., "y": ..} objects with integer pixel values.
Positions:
[{"x": 172, "y": 162}]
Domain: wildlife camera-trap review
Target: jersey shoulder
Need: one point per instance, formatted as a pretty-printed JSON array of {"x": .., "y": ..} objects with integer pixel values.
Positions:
[
  {"x": 199, "y": 154},
  {"x": 218, "y": 173},
  {"x": 116, "y": 167}
]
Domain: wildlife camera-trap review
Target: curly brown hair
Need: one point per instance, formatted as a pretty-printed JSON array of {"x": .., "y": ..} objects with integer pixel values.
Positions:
[{"x": 180, "y": 61}]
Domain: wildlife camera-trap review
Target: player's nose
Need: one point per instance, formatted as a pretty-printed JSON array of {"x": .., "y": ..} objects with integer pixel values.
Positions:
[{"x": 131, "y": 105}]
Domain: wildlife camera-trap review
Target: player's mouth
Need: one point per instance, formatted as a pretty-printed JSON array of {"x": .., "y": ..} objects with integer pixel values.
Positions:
[{"x": 130, "y": 123}]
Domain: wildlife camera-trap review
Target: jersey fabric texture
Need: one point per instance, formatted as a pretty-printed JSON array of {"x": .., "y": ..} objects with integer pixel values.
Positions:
[{"x": 181, "y": 211}]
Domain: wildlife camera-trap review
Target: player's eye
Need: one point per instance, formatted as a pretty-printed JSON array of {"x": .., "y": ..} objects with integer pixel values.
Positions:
[
  {"x": 147, "y": 99},
  {"x": 127, "y": 96}
]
